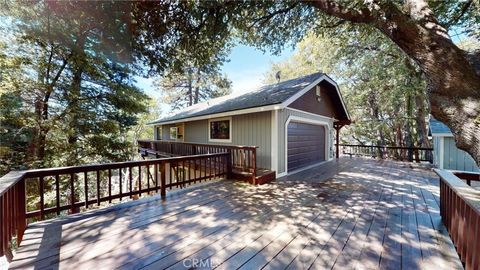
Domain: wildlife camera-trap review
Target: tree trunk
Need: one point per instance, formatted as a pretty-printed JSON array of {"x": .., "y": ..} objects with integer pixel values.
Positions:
[
  {"x": 375, "y": 114},
  {"x": 408, "y": 128},
  {"x": 454, "y": 85},
  {"x": 420, "y": 121},
  {"x": 197, "y": 88},
  {"x": 190, "y": 92},
  {"x": 73, "y": 108}
]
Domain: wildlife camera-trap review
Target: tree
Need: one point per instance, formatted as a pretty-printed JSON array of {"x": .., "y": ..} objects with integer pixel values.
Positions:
[
  {"x": 454, "y": 84},
  {"x": 80, "y": 95},
  {"x": 418, "y": 28},
  {"x": 194, "y": 85},
  {"x": 379, "y": 83}
]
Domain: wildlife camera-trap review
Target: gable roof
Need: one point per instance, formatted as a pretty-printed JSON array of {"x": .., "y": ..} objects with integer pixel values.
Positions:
[
  {"x": 438, "y": 128},
  {"x": 266, "y": 96}
]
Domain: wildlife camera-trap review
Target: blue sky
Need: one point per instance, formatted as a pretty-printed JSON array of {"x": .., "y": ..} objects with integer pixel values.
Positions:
[{"x": 245, "y": 69}]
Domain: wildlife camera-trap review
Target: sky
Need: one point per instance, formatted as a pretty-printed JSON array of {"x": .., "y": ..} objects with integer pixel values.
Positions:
[{"x": 245, "y": 69}]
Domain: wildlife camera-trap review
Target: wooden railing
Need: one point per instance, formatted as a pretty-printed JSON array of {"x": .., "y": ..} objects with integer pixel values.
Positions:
[
  {"x": 460, "y": 211},
  {"x": 62, "y": 191},
  {"x": 243, "y": 158},
  {"x": 389, "y": 152},
  {"x": 467, "y": 176}
]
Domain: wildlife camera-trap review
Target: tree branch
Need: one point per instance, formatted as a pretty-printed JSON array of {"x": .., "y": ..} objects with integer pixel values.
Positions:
[
  {"x": 267, "y": 17},
  {"x": 463, "y": 10},
  {"x": 362, "y": 15}
]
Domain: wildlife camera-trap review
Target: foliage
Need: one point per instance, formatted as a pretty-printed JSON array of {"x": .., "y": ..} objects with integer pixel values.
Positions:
[
  {"x": 378, "y": 82},
  {"x": 183, "y": 89},
  {"x": 169, "y": 32},
  {"x": 73, "y": 96}
]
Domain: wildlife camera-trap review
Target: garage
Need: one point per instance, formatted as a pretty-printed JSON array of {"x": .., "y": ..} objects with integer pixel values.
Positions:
[{"x": 305, "y": 145}]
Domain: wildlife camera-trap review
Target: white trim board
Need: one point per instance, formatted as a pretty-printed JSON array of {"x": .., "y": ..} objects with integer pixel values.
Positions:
[
  {"x": 223, "y": 114},
  {"x": 274, "y": 141},
  {"x": 312, "y": 114},
  {"x": 298, "y": 119},
  {"x": 442, "y": 135}
]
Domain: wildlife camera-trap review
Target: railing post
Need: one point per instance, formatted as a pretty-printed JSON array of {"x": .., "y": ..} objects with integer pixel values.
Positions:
[
  {"x": 163, "y": 192},
  {"x": 337, "y": 139},
  {"x": 254, "y": 161},
  {"x": 229, "y": 163},
  {"x": 22, "y": 219}
]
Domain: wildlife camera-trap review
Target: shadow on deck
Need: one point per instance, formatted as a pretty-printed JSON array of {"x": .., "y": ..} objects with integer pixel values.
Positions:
[{"x": 346, "y": 214}]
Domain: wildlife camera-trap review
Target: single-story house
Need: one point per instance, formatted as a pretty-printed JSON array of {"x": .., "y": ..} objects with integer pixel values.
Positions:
[
  {"x": 445, "y": 154},
  {"x": 291, "y": 122}
]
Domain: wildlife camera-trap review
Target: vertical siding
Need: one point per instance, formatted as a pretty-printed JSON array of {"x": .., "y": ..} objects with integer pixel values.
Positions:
[
  {"x": 436, "y": 151},
  {"x": 155, "y": 135},
  {"x": 282, "y": 120},
  {"x": 166, "y": 132},
  {"x": 456, "y": 159},
  {"x": 196, "y": 131},
  {"x": 254, "y": 129},
  {"x": 248, "y": 129}
]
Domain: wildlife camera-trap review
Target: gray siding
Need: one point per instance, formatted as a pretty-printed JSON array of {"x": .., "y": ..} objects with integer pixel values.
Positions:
[
  {"x": 456, "y": 159},
  {"x": 196, "y": 131},
  {"x": 252, "y": 129},
  {"x": 283, "y": 116},
  {"x": 436, "y": 151},
  {"x": 166, "y": 132}
]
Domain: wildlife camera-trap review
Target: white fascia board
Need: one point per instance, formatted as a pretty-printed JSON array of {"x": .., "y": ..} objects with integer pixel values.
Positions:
[
  {"x": 442, "y": 135},
  {"x": 313, "y": 114},
  {"x": 310, "y": 86},
  {"x": 224, "y": 114}
]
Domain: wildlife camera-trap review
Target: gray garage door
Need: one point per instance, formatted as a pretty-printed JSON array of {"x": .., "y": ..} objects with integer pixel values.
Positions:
[{"x": 306, "y": 145}]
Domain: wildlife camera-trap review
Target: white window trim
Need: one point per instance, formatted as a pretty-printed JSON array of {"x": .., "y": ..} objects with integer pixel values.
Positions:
[
  {"x": 230, "y": 130},
  {"x": 298, "y": 119},
  {"x": 170, "y": 133},
  {"x": 159, "y": 135}
]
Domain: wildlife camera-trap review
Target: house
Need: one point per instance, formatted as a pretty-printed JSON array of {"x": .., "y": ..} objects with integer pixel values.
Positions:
[
  {"x": 291, "y": 123},
  {"x": 446, "y": 154}
]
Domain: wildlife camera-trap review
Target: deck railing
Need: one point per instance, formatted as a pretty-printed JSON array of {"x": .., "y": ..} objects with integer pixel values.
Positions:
[
  {"x": 389, "y": 152},
  {"x": 60, "y": 191},
  {"x": 460, "y": 211},
  {"x": 243, "y": 158}
]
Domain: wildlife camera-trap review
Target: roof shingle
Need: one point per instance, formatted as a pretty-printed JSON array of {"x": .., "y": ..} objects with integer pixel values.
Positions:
[
  {"x": 437, "y": 127},
  {"x": 263, "y": 96}
]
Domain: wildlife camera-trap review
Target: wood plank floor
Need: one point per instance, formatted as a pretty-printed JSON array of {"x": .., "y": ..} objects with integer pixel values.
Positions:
[{"x": 347, "y": 214}]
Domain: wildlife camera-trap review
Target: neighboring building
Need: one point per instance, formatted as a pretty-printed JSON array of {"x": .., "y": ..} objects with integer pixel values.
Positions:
[
  {"x": 291, "y": 122},
  {"x": 446, "y": 155}
]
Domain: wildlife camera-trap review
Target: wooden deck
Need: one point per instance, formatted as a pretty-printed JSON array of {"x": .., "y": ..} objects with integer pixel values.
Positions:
[{"x": 350, "y": 214}]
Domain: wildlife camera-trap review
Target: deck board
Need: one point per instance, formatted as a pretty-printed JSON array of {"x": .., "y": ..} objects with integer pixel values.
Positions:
[{"x": 348, "y": 214}]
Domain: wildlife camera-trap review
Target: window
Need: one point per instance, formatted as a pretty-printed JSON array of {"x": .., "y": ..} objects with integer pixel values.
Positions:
[
  {"x": 176, "y": 133},
  {"x": 173, "y": 133},
  {"x": 159, "y": 132},
  {"x": 220, "y": 130}
]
